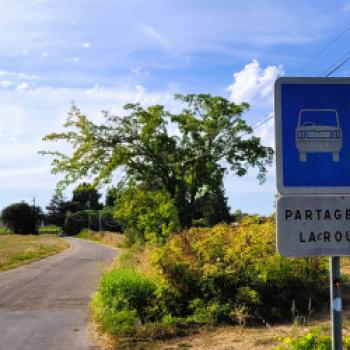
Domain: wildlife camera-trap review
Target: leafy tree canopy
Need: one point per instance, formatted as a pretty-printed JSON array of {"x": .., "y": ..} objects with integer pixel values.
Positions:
[
  {"x": 87, "y": 195},
  {"x": 210, "y": 136},
  {"x": 145, "y": 214}
]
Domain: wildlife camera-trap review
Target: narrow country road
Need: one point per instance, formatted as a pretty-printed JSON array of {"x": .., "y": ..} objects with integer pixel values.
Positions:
[{"x": 45, "y": 305}]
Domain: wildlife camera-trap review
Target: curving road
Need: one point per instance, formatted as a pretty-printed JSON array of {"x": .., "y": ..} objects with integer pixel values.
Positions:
[{"x": 44, "y": 305}]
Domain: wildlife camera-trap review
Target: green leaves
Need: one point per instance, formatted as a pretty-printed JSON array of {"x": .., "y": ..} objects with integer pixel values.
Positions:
[
  {"x": 147, "y": 215},
  {"x": 207, "y": 133}
]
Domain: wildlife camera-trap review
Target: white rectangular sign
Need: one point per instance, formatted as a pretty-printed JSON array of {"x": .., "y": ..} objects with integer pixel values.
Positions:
[{"x": 313, "y": 225}]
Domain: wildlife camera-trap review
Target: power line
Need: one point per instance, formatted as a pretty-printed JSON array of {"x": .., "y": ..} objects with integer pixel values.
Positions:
[
  {"x": 338, "y": 64},
  {"x": 12, "y": 191},
  {"x": 317, "y": 54},
  {"x": 320, "y": 52},
  {"x": 329, "y": 71}
]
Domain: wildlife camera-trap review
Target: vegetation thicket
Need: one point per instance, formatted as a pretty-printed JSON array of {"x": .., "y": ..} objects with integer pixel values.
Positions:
[
  {"x": 148, "y": 215},
  {"x": 206, "y": 276},
  {"x": 81, "y": 212}
]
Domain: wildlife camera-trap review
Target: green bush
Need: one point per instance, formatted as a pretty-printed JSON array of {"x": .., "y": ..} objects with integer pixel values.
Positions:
[
  {"x": 206, "y": 276},
  {"x": 19, "y": 218},
  {"x": 314, "y": 340},
  {"x": 124, "y": 299},
  {"x": 238, "y": 272},
  {"x": 146, "y": 215},
  {"x": 75, "y": 222},
  {"x": 108, "y": 222},
  {"x": 93, "y": 219}
]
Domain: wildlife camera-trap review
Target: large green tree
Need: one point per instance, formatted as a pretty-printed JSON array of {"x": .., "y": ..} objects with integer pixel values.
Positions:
[
  {"x": 87, "y": 195},
  {"x": 209, "y": 136}
]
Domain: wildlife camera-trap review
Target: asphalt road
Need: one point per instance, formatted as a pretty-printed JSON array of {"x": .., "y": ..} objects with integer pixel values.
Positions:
[{"x": 44, "y": 305}]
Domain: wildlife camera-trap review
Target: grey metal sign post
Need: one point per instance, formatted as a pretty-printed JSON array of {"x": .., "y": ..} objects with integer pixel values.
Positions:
[
  {"x": 312, "y": 128},
  {"x": 336, "y": 302}
]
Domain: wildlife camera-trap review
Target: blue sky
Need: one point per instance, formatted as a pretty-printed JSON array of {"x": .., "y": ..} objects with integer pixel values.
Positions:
[{"x": 103, "y": 54}]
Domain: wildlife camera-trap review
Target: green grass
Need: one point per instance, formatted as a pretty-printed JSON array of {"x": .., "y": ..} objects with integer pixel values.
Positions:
[
  {"x": 52, "y": 229},
  {"x": 4, "y": 230},
  {"x": 17, "y": 250}
]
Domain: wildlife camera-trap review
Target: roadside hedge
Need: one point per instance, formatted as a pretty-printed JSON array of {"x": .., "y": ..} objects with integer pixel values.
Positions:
[
  {"x": 95, "y": 220},
  {"x": 206, "y": 276}
]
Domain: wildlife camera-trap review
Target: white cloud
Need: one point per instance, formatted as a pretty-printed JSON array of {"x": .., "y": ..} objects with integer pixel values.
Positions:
[
  {"x": 86, "y": 45},
  {"x": 18, "y": 75},
  {"x": 22, "y": 86},
  {"x": 253, "y": 83},
  {"x": 140, "y": 72},
  {"x": 6, "y": 83},
  {"x": 73, "y": 59}
]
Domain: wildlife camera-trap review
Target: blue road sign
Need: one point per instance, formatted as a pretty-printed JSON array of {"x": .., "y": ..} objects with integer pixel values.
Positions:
[{"x": 312, "y": 123}]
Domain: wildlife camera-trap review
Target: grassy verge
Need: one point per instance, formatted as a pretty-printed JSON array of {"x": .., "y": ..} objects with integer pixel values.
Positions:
[
  {"x": 112, "y": 239},
  {"x": 17, "y": 250},
  {"x": 4, "y": 230},
  {"x": 50, "y": 229},
  {"x": 204, "y": 278}
]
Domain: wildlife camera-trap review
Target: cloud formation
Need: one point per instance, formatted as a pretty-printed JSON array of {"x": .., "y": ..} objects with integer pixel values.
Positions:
[
  {"x": 32, "y": 112},
  {"x": 254, "y": 83}
]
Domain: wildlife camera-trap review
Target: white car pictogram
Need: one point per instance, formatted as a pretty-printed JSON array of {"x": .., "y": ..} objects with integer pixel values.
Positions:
[{"x": 318, "y": 131}]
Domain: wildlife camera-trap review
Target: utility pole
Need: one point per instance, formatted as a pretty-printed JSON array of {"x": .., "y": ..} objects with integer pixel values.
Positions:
[
  {"x": 34, "y": 212},
  {"x": 89, "y": 206}
]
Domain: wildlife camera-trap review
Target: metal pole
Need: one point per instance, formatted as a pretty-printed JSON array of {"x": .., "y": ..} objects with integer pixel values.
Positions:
[
  {"x": 34, "y": 214},
  {"x": 99, "y": 221},
  {"x": 336, "y": 302}
]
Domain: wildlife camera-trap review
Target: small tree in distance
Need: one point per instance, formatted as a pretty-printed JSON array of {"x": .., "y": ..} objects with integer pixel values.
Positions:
[
  {"x": 87, "y": 195},
  {"x": 19, "y": 218}
]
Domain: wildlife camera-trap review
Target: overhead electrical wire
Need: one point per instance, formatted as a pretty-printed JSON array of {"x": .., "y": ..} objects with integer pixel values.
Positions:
[
  {"x": 338, "y": 64},
  {"x": 9, "y": 191},
  {"x": 317, "y": 54},
  {"x": 326, "y": 73},
  {"x": 320, "y": 52}
]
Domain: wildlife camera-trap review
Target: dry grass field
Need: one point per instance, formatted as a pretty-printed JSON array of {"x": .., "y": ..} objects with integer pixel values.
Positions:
[
  {"x": 17, "y": 250},
  {"x": 224, "y": 337},
  {"x": 112, "y": 239}
]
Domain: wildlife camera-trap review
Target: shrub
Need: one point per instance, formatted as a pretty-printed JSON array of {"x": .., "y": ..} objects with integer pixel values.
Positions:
[
  {"x": 75, "y": 222},
  {"x": 20, "y": 218},
  {"x": 108, "y": 222},
  {"x": 314, "y": 340},
  {"x": 239, "y": 270},
  {"x": 206, "y": 276},
  {"x": 146, "y": 215},
  {"x": 124, "y": 299}
]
